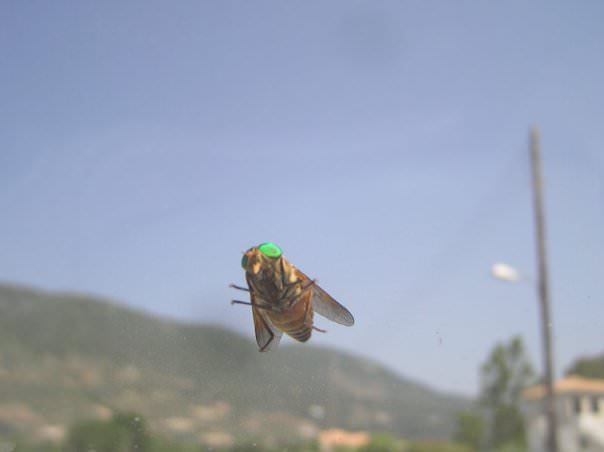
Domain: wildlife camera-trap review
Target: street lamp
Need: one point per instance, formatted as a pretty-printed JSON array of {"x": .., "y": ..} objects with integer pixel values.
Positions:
[{"x": 504, "y": 272}]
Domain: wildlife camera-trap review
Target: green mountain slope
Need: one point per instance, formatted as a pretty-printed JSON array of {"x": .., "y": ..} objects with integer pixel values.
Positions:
[{"x": 68, "y": 357}]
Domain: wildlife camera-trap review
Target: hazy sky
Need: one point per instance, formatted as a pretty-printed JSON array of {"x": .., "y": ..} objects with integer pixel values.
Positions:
[{"x": 383, "y": 145}]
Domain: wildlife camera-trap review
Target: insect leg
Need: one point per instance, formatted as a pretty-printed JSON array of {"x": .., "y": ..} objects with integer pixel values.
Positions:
[
  {"x": 310, "y": 283},
  {"x": 235, "y": 286},
  {"x": 319, "y": 329},
  {"x": 304, "y": 289},
  {"x": 247, "y": 303}
]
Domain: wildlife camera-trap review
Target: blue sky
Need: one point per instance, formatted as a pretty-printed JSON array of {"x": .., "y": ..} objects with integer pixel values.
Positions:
[{"x": 383, "y": 145}]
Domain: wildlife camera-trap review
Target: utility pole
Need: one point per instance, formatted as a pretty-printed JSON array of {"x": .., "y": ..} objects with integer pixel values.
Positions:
[{"x": 543, "y": 291}]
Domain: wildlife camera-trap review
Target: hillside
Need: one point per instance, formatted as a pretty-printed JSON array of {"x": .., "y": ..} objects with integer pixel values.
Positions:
[{"x": 68, "y": 357}]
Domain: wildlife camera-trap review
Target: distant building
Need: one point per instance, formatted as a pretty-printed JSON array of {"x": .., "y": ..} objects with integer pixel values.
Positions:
[
  {"x": 580, "y": 409},
  {"x": 334, "y": 439}
]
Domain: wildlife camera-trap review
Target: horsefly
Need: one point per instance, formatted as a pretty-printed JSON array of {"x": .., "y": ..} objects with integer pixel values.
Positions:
[{"x": 283, "y": 299}]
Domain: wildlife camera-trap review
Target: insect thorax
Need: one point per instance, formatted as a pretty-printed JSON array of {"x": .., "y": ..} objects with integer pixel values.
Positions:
[{"x": 275, "y": 285}]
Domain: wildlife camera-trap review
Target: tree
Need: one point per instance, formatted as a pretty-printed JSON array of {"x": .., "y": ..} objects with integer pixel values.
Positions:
[
  {"x": 437, "y": 446},
  {"x": 588, "y": 367},
  {"x": 508, "y": 428},
  {"x": 470, "y": 430},
  {"x": 505, "y": 374},
  {"x": 382, "y": 442},
  {"x": 122, "y": 433}
]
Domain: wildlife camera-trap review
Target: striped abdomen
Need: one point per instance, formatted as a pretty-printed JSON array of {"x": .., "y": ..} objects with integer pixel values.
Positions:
[{"x": 297, "y": 321}]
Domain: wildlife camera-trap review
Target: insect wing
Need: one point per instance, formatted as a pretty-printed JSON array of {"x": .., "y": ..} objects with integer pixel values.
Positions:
[
  {"x": 326, "y": 305},
  {"x": 267, "y": 336}
]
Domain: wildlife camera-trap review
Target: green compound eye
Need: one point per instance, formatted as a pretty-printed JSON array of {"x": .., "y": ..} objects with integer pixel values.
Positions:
[
  {"x": 244, "y": 261},
  {"x": 270, "y": 250}
]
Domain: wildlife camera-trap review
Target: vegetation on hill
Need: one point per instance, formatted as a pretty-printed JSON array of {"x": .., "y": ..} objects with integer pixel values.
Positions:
[{"x": 66, "y": 358}]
